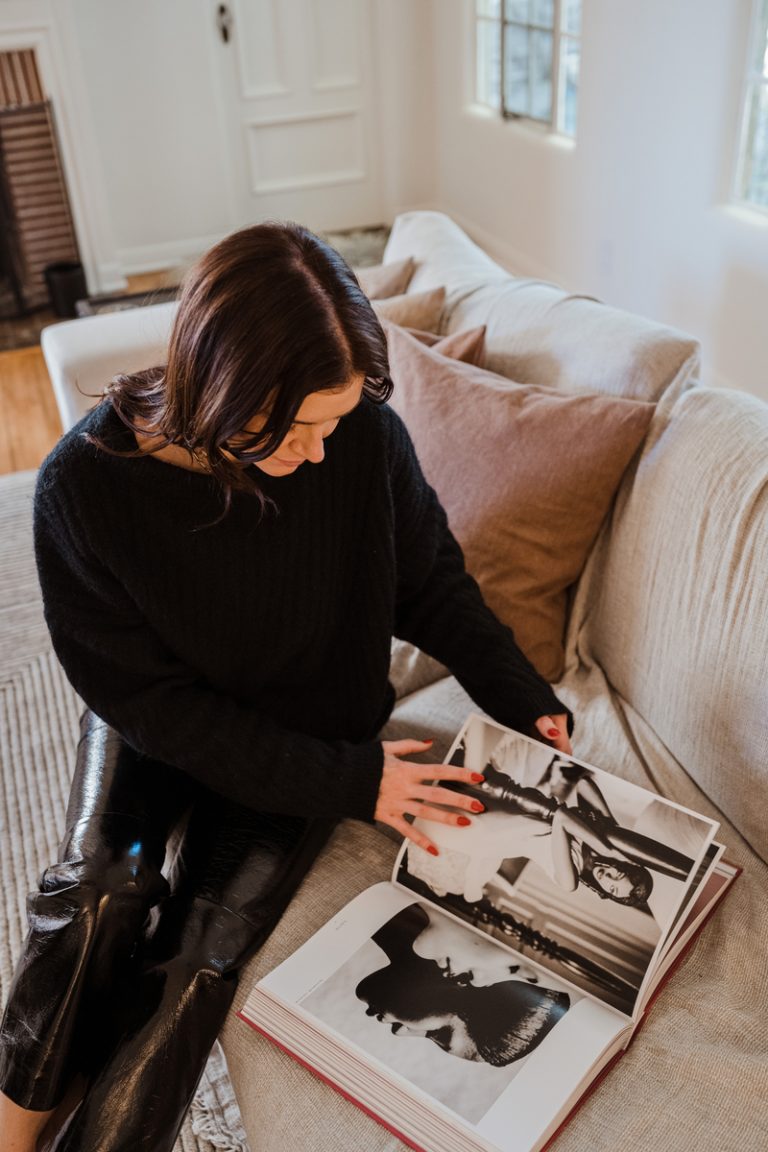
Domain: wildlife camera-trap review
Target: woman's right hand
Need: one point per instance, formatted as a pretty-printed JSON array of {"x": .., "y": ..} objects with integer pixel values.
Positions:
[{"x": 403, "y": 792}]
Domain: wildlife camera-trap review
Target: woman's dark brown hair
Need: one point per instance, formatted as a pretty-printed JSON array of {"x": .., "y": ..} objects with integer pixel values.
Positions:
[{"x": 269, "y": 315}]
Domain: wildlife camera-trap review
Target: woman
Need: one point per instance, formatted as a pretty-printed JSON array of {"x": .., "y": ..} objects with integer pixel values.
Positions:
[{"x": 226, "y": 611}]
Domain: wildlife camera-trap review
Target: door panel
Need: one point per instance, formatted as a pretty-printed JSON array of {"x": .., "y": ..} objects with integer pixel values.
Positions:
[{"x": 297, "y": 88}]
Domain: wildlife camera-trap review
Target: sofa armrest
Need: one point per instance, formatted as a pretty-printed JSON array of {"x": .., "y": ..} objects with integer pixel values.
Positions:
[{"x": 83, "y": 355}]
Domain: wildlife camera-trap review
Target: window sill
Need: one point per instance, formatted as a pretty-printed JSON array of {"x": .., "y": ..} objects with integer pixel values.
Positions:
[
  {"x": 748, "y": 214},
  {"x": 527, "y": 129}
]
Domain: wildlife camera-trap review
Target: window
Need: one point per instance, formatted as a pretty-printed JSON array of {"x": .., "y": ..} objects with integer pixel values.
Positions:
[
  {"x": 527, "y": 59},
  {"x": 752, "y": 172}
]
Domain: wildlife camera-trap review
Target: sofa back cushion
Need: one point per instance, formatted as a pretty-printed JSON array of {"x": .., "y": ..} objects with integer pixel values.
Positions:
[
  {"x": 537, "y": 333},
  {"x": 677, "y": 612},
  {"x": 526, "y": 476}
]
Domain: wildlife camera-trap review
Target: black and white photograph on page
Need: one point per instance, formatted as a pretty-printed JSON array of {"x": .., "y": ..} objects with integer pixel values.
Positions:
[
  {"x": 565, "y": 862},
  {"x": 456, "y": 1017}
]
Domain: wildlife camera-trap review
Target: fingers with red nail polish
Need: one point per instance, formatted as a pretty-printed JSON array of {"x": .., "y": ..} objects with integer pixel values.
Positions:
[
  {"x": 554, "y": 729},
  {"x": 408, "y": 789}
]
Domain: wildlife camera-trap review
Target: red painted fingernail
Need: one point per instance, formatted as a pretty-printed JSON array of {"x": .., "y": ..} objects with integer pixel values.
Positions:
[
  {"x": 477, "y": 778},
  {"x": 433, "y": 850},
  {"x": 553, "y": 732},
  {"x": 463, "y": 821},
  {"x": 427, "y": 741},
  {"x": 477, "y": 806}
]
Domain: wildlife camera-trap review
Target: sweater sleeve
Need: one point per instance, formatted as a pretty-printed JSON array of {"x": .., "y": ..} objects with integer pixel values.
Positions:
[
  {"x": 440, "y": 607},
  {"x": 163, "y": 708}
]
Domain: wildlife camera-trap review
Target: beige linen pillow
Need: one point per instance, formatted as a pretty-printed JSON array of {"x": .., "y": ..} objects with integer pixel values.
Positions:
[
  {"x": 413, "y": 310},
  {"x": 526, "y": 475},
  {"x": 468, "y": 346},
  {"x": 381, "y": 280}
]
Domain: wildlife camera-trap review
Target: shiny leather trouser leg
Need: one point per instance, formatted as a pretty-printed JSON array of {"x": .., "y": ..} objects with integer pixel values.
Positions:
[{"x": 126, "y": 978}]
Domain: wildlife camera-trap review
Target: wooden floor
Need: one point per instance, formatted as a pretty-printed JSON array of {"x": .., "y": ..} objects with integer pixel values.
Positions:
[{"x": 29, "y": 418}]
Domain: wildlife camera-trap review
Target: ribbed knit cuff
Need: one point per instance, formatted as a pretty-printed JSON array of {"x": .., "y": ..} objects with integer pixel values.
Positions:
[
  {"x": 363, "y": 780},
  {"x": 540, "y": 702}
]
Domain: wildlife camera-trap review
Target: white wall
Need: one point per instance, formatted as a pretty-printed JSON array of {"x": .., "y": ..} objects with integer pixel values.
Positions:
[
  {"x": 405, "y": 49},
  {"x": 636, "y": 212}
]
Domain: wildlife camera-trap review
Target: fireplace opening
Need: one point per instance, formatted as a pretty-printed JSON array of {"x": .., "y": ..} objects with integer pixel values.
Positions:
[{"x": 36, "y": 226}]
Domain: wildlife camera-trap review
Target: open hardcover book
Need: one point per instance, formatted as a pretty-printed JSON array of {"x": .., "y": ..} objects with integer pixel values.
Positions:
[{"x": 470, "y": 1002}]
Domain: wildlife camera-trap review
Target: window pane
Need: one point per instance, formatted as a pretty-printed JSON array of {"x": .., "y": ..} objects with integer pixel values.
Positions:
[
  {"x": 516, "y": 10},
  {"x": 761, "y": 41},
  {"x": 488, "y": 89},
  {"x": 543, "y": 13},
  {"x": 541, "y": 75},
  {"x": 569, "y": 86},
  {"x": 489, "y": 8},
  {"x": 755, "y": 175},
  {"x": 516, "y": 71},
  {"x": 760, "y": 47},
  {"x": 571, "y": 16}
]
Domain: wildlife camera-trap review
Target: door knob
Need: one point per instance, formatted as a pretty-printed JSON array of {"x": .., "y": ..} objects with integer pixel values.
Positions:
[{"x": 224, "y": 21}]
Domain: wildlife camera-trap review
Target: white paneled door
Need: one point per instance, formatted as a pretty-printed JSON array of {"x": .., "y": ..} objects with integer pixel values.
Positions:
[{"x": 298, "y": 106}]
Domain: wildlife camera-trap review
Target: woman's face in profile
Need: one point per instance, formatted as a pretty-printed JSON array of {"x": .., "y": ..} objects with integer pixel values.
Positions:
[
  {"x": 464, "y": 957},
  {"x": 317, "y": 418},
  {"x": 613, "y": 880}
]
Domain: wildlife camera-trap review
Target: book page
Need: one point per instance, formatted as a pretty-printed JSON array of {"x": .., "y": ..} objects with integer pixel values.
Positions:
[
  {"x": 713, "y": 888},
  {"x": 571, "y": 866},
  {"x": 502, "y": 1059}
]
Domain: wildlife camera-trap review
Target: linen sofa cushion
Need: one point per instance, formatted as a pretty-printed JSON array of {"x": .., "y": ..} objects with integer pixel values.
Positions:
[
  {"x": 674, "y": 605},
  {"x": 83, "y": 355},
  {"x": 414, "y": 310},
  {"x": 537, "y": 333},
  {"x": 381, "y": 280},
  {"x": 526, "y": 475}
]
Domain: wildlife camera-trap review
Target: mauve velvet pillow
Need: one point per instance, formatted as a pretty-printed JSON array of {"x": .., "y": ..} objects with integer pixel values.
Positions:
[
  {"x": 526, "y": 475},
  {"x": 381, "y": 280}
]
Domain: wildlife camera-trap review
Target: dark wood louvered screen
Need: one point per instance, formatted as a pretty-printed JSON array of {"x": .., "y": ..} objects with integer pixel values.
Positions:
[{"x": 36, "y": 227}]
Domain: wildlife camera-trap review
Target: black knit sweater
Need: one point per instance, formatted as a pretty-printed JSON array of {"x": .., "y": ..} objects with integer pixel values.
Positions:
[{"x": 254, "y": 654}]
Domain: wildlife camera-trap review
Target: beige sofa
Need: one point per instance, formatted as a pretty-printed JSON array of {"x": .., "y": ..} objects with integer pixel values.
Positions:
[{"x": 666, "y": 670}]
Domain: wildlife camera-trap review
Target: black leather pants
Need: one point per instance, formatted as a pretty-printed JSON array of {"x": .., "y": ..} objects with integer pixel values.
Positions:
[{"x": 126, "y": 975}]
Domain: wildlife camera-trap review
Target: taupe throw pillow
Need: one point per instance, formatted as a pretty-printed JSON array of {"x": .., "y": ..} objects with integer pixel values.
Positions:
[
  {"x": 468, "y": 345},
  {"x": 381, "y": 280},
  {"x": 526, "y": 475},
  {"x": 413, "y": 310}
]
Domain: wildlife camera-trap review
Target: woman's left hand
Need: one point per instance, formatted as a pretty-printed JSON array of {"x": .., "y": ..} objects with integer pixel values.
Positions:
[{"x": 554, "y": 731}]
